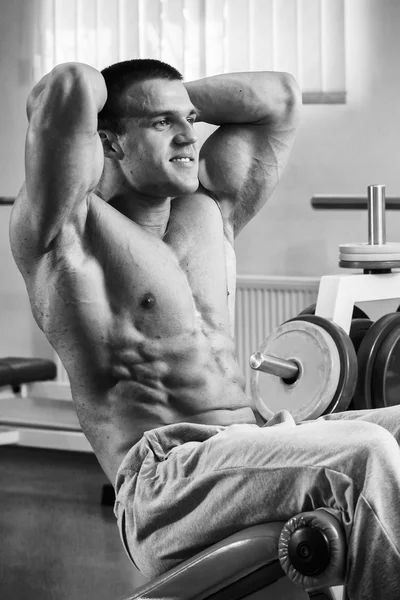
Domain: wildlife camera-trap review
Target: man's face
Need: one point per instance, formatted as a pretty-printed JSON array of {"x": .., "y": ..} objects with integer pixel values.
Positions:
[{"x": 161, "y": 155}]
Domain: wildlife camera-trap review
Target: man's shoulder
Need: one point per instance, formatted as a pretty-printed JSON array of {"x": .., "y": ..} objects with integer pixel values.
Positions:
[
  {"x": 200, "y": 202},
  {"x": 200, "y": 209}
]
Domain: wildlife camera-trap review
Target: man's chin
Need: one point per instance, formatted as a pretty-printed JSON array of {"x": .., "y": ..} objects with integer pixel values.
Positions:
[{"x": 185, "y": 187}]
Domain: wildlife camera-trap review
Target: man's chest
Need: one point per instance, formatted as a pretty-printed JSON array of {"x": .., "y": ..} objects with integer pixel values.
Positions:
[{"x": 156, "y": 283}]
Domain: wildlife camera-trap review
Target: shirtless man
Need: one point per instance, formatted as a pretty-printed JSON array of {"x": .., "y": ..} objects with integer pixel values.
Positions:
[
  {"x": 135, "y": 300},
  {"x": 124, "y": 235}
]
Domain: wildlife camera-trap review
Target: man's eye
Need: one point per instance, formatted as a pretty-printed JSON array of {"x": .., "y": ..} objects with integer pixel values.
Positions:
[
  {"x": 162, "y": 123},
  {"x": 191, "y": 120}
]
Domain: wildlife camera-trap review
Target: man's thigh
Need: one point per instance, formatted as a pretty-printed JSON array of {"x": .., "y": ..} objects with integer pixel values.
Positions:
[{"x": 246, "y": 475}]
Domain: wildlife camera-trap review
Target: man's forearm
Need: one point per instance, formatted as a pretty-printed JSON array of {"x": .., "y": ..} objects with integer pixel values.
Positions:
[{"x": 245, "y": 97}]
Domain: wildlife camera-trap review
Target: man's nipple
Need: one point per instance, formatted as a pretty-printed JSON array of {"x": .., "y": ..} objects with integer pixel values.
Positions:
[{"x": 148, "y": 300}]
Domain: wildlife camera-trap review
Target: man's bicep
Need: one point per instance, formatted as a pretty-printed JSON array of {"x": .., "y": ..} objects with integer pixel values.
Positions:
[{"x": 241, "y": 165}]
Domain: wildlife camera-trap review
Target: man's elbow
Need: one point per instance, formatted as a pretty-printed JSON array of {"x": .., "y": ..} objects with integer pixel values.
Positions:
[
  {"x": 292, "y": 92},
  {"x": 52, "y": 89},
  {"x": 283, "y": 104},
  {"x": 83, "y": 76},
  {"x": 75, "y": 90}
]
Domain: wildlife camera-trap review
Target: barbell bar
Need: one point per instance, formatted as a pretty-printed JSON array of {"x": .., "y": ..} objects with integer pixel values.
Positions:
[{"x": 281, "y": 367}]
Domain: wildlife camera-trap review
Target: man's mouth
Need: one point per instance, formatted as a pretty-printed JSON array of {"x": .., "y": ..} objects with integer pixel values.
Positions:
[{"x": 182, "y": 159}]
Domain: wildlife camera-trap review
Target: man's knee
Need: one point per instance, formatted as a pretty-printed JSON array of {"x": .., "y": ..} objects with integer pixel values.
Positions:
[{"x": 372, "y": 445}]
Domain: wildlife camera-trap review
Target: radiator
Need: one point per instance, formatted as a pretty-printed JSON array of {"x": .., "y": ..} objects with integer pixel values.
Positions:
[{"x": 262, "y": 303}]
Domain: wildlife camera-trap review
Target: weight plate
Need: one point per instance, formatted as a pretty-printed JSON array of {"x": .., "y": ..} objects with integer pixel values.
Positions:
[
  {"x": 348, "y": 363},
  {"x": 367, "y": 352},
  {"x": 375, "y": 249},
  {"x": 357, "y": 312},
  {"x": 314, "y": 350},
  {"x": 358, "y": 329},
  {"x": 371, "y": 257},
  {"x": 370, "y": 265},
  {"x": 386, "y": 371},
  {"x": 309, "y": 310}
]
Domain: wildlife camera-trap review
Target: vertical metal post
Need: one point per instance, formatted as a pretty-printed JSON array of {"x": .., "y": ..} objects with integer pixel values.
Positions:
[{"x": 376, "y": 215}]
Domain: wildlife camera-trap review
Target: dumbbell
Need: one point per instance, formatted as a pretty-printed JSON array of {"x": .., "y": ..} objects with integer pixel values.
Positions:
[
  {"x": 309, "y": 367},
  {"x": 378, "y": 380},
  {"x": 340, "y": 379}
]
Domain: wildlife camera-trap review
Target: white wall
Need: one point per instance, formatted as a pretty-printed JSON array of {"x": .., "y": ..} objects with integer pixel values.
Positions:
[
  {"x": 339, "y": 149},
  {"x": 19, "y": 335}
]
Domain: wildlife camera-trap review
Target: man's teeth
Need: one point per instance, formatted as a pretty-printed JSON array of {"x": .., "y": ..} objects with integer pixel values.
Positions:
[{"x": 181, "y": 159}]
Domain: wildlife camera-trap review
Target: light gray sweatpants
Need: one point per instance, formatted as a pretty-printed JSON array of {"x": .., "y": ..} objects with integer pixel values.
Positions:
[{"x": 184, "y": 487}]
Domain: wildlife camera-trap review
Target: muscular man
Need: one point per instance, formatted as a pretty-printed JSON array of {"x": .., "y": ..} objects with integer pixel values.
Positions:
[{"x": 124, "y": 235}]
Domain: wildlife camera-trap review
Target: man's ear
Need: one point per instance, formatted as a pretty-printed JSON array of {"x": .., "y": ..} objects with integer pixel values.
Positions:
[{"x": 111, "y": 145}]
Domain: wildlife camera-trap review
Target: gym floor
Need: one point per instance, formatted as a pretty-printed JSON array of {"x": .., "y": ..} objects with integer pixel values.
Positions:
[{"x": 56, "y": 540}]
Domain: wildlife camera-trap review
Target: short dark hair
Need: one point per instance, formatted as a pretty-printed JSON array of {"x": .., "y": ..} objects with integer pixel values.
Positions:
[{"x": 119, "y": 77}]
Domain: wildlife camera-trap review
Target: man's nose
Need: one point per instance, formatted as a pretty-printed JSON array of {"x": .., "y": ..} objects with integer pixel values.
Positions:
[{"x": 186, "y": 135}]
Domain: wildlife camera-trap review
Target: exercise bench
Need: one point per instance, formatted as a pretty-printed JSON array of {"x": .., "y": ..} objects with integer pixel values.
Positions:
[
  {"x": 17, "y": 372},
  {"x": 299, "y": 560}
]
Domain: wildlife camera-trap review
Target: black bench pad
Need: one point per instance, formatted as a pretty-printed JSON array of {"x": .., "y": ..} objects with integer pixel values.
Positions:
[{"x": 16, "y": 370}]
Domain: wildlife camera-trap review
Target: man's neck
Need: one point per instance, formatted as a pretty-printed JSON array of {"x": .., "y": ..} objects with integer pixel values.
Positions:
[{"x": 150, "y": 213}]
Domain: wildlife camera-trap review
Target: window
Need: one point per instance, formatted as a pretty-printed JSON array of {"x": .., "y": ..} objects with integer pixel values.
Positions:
[{"x": 201, "y": 37}]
